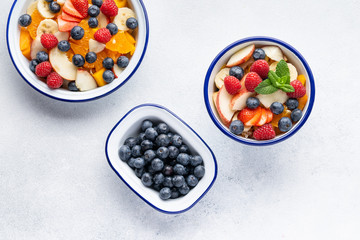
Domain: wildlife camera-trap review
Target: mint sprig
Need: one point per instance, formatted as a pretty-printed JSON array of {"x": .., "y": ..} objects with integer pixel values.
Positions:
[{"x": 280, "y": 79}]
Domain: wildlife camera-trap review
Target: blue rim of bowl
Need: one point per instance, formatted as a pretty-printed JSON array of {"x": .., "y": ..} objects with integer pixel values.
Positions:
[
  {"x": 282, "y": 137},
  {"x": 143, "y": 198},
  {"x": 88, "y": 99}
]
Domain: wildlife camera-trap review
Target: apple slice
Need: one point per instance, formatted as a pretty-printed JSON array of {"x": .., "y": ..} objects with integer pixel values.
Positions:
[
  {"x": 263, "y": 118},
  {"x": 256, "y": 118},
  {"x": 62, "y": 36},
  {"x": 95, "y": 46},
  {"x": 223, "y": 106},
  {"x": 117, "y": 70},
  {"x": 238, "y": 102},
  {"x": 84, "y": 81},
  {"x": 292, "y": 69},
  {"x": 268, "y": 99},
  {"x": 62, "y": 65},
  {"x": 241, "y": 56},
  {"x": 273, "y": 52},
  {"x": 214, "y": 97},
  {"x": 103, "y": 20},
  {"x": 219, "y": 78},
  {"x": 36, "y": 47},
  {"x": 270, "y": 116}
]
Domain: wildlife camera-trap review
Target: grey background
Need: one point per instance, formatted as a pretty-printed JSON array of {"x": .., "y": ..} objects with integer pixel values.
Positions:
[{"x": 55, "y": 182}]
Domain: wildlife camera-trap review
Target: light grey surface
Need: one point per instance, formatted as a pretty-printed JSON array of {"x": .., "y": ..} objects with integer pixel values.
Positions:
[{"x": 55, "y": 182}]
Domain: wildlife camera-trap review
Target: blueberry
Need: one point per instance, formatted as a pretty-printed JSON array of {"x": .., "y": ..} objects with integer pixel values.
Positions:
[
  {"x": 77, "y": 32},
  {"x": 237, "y": 72},
  {"x": 179, "y": 169},
  {"x": 78, "y": 60},
  {"x": 196, "y": 160},
  {"x": 170, "y": 135},
  {"x": 157, "y": 165},
  {"x": 184, "y": 149},
  {"x": 91, "y": 57},
  {"x": 259, "y": 54},
  {"x": 139, "y": 172},
  {"x": 157, "y": 187},
  {"x": 162, "y": 140},
  {"x": 131, "y": 162},
  {"x": 176, "y": 140},
  {"x": 136, "y": 151},
  {"x": 173, "y": 152},
  {"x": 165, "y": 193},
  {"x": 158, "y": 178},
  {"x": 131, "y": 23},
  {"x": 149, "y": 155},
  {"x": 150, "y": 169},
  {"x": 140, "y": 138},
  {"x": 108, "y": 63},
  {"x": 32, "y": 65},
  {"x": 97, "y": 2},
  {"x": 174, "y": 193},
  {"x": 192, "y": 181},
  {"x": 236, "y": 127},
  {"x": 184, "y": 189},
  {"x": 199, "y": 171},
  {"x": 162, "y": 128},
  {"x": 54, "y": 7},
  {"x": 168, "y": 182},
  {"x": 42, "y": 56},
  {"x": 151, "y": 134},
  {"x": 124, "y": 153},
  {"x": 108, "y": 76},
  {"x": 162, "y": 152},
  {"x": 276, "y": 108},
  {"x": 64, "y": 46},
  {"x": 93, "y": 11},
  {"x": 72, "y": 86},
  {"x": 178, "y": 180},
  {"x": 284, "y": 124},
  {"x": 292, "y": 103},
  {"x": 93, "y": 22},
  {"x": 25, "y": 20},
  {"x": 146, "y": 124},
  {"x": 146, "y": 179},
  {"x": 112, "y": 28},
  {"x": 296, "y": 115},
  {"x": 49, "y": 1},
  {"x": 146, "y": 145},
  {"x": 131, "y": 142},
  {"x": 139, "y": 162},
  {"x": 122, "y": 62},
  {"x": 168, "y": 170},
  {"x": 183, "y": 159},
  {"x": 252, "y": 102}
]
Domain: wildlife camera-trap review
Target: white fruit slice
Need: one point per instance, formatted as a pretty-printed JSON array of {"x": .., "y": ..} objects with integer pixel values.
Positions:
[
  {"x": 235, "y": 116},
  {"x": 274, "y": 53},
  {"x": 292, "y": 69},
  {"x": 238, "y": 102},
  {"x": 62, "y": 65},
  {"x": 214, "y": 96},
  {"x": 241, "y": 56},
  {"x": 95, "y": 46},
  {"x": 117, "y": 70},
  {"x": 219, "y": 78},
  {"x": 123, "y": 15},
  {"x": 44, "y": 9},
  {"x": 103, "y": 20},
  {"x": 268, "y": 99},
  {"x": 272, "y": 66},
  {"x": 32, "y": 7},
  {"x": 61, "y": 2},
  {"x": 36, "y": 47},
  {"x": 47, "y": 26},
  {"x": 84, "y": 81},
  {"x": 61, "y": 36},
  {"x": 223, "y": 106}
]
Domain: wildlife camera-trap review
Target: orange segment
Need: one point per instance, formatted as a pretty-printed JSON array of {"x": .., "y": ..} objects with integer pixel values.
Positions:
[
  {"x": 302, "y": 102},
  {"x": 120, "y": 3},
  {"x": 120, "y": 43},
  {"x": 82, "y": 46},
  {"x": 98, "y": 76},
  {"x": 25, "y": 43},
  {"x": 36, "y": 18},
  {"x": 302, "y": 79}
]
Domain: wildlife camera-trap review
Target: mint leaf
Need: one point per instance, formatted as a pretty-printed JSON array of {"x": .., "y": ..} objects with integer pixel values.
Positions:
[
  {"x": 287, "y": 88},
  {"x": 265, "y": 87},
  {"x": 282, "y": 69},
  {"x": 274, "y": 79},
  {"x": 284, "y": 80}
]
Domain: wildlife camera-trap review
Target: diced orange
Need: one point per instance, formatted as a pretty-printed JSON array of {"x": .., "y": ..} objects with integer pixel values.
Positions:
[
  {"x": 82, "y": 46},
  {"x": 120, "y": 43},
  {"x": 276, "y": 118},
  {"x": 130, "y": 38},
  {"x": 112, "y": 54},
  {"x": 25, "y": 42},
  {"x": 36, "y": 18},
  {"x": 120, "y": 3},
  {"x": 302, "y": 102},
  {"x": 98, "y": 76},
  {"x": 302, "y": 79}
]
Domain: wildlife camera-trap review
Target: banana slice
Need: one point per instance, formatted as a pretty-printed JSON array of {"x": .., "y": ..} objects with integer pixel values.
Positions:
[
  {"x": 219, "y": 78},
  {"x": 123, "y": 15},
  {"x": 44, "y": 9},
  {"x": 32, "y": 7},
  {"x": 47, "y": 26}
]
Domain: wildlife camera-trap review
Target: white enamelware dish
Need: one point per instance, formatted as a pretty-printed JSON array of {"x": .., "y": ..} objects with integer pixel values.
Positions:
[
  {"x": 129, "y": 126},
  {"x": 22, "y": 64},
  {"x": 221, "y": 59}
]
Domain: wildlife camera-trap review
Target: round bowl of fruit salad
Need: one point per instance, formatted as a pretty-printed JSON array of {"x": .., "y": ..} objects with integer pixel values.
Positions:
[
  {"x": 161, "y": 159},
  {"x": 259, "y": 91},
  {"x": 77, "y": 50}
]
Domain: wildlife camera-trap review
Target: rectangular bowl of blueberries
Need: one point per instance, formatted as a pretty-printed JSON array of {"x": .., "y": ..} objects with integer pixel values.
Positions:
[{"x": 161, "y": 158}]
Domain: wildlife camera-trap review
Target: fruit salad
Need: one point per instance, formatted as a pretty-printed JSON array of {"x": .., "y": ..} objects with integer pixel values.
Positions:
[
  {"x": 162, "y": 160},
  {"x": 259, "y": 94},
  {"x": 78, "y": 45}
]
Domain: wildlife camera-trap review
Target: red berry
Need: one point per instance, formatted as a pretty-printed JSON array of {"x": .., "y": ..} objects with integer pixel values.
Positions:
[
  {"x": 54, "y": 80},
  {"x": 81, "y": 6},
  {"x": 300, "y": 90},
  {"x": 102, "y": 35},
  {"x": 261, "y": 67},
  {"x": 109, "y": 8},
  {"x": 265, "y": 132},
  {"x": 43, "y": 69},
  {"x": 232, "y": 85},
  {"x": 48, "y": 40},
  {"x": 252, "y": 80}
]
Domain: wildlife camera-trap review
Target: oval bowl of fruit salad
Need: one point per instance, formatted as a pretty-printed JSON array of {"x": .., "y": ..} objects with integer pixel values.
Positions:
[
  {"x": 259, "y": 91},
  {"x": 161, "y": 158},
  {"x": 77, "y": 50}
]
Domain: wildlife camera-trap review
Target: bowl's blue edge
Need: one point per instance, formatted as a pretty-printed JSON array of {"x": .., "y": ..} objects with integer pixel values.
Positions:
[
  {"x": 296, "y": 127},
  {"x": 143, "y": 198},
  {"x": 87, "y": 99}
]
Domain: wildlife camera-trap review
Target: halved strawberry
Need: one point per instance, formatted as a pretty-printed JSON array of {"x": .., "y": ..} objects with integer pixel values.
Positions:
[
  {"x": 269, "y": 116},
  {"x": 69, "y": 18},
  {"x": 71, "y": 10},
  {"x": 263, "y": 118},
  {"x": 255, "y": 119},
  {"x": 81, "y": 6},
  {"x": 246, "y": 114},
  {"x": 65, "y": 26}
]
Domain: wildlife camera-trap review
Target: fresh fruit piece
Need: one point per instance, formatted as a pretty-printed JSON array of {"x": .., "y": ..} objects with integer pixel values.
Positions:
[
  {"x": 93, "y": 11},
  {"x": 223, "y": 106},
  {"x": 269, "y": 116},
  {"x": 82, "y": 46},
  {"x": 302, "y": 79},
  {"x": 123, "y": 15},
  {"x": 43, "y": 69},
  {"x": 261, "y": 67},
  {"x": 232, "y": 85},
  {"x": 95, "y": 46},
  {"x": 268, "y": 99},
  {"x": 54, "y": 80},
  {"x": 302, "y": 102},
  {"x": 285, "y": 124},
  {"x": 219, "y": 78},
  {"x": 276, "y": 108},
  {"x": 252, "y": 80},
  {"x": 246, "y": 114},
  {"x": 65, "y": 26},
  {"x": 296, "y": 115},
  {"x": 103, "y": 20},
  {"x": 274, "y": 53},
  {"x": 61, "y": 2},
  {"x": 109, "y": 8},
  {"x": 256, "y": 118},
  {"x": 69, "y": 18},
  {"x": 120, "y": 3},
  {"x": 84, "y": 81},
  {"x": 122, "y": 62},
  {"x": 214, "y": 97},
  {"x": 54, "y": 7},
  {"x": 49, "y": 41},
  {"x": 32, "y": 65},
  {"x": 108, "y": 76},
  {"x": 266, "y": 132},
  {"x": 81, "y": 6},
  {"x": 36, "y": 47},
  {"x": 132, "y": 23},
  {"x": 93, "y": 22},
  {"x": 90, "y": 57},
  {"x": 263, "y": 118},
  {"x": 24, "y": 20},
  {"x": 112, "y": 28},
  {"x": 292, "y": 103},
  {"x": 117, "y": 70},
  {"x": 252, "y": 102},
  {"x": 236, "y": 127},
  {"x": 70, "y": 9},
  {"x": 42, "y": 56},
  {"x": 61, "y": 36},
  {"x": 47, "y": 26},
  {"x": 108, "y": 63},
  {"x": 32, "y": 7},
  {"x": 25, "y": 43},
  {"x": 276, "y": 118},
  {"x": 259, "y": 54},
  {"x": 96, "y": 2},
  {"x": 64, "y": 46},
  {"x": 241, "y": 56},
  {"x": 44, "y": 9},
  {"x": 72, "y": 86},
  {"x": 36, "y": 20},
  {"x": 237, "y": 72},
  {"x": 78, "y": 60},
  {"x": 62, "y": 65},
  {"x": 292, "y": 69},
  {"x": 77, "y": 33},
  {"x": 300, "y": 90},
  {"x": 120, "y": 43},
  {"x": 102, "y": 35},
  {"x": 98, "y": 76},
  {"x": 238, "y": 102}
]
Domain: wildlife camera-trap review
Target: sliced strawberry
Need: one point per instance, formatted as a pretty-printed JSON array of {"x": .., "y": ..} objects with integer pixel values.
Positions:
[
  {"x": 270, "y": 116},
  {"x": 65, "y": 26},
  {"x": 263, "y": 118},
  {"x": 81, "y": 6},
  {"x": 246, "y": 114},
  {"x": 71, "y": 10},
  {"x": 69, "y": 18},
  {"x": 255, "y": 119}
]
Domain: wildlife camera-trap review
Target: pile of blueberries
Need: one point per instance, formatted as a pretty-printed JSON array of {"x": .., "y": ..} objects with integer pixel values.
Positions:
[{"x": 162, "y": 161}]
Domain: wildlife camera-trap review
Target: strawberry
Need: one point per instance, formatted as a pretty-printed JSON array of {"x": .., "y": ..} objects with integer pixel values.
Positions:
[
  {"x": 81, "y": 6},
  {"x": 252, "y": 80},
  {"x": 261, "y": 67},
  {"x": 109, "y": 8},
  {"x": 246, "y": 114},
  {"x": 43, "y": 69},
  {"x": 102, "y": 35},
  {"x": 48, "y": 40},
  {"x": 300, "y": 90},
  {"x": 232, "y": 85},
  {"x": 264, "y": 132},
  {"x": 54, "y": 80}
]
